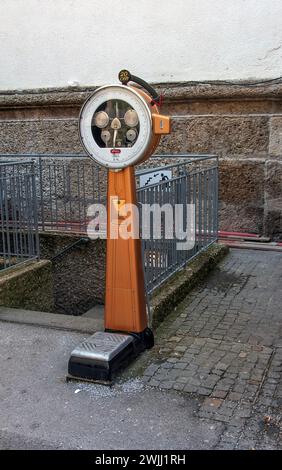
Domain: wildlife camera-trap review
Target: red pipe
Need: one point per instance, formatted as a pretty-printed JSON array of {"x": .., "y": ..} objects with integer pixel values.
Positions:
[{"x": 223, "y": 233}]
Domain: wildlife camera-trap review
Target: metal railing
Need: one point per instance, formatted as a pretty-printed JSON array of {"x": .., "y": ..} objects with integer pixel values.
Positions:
[
  {"x": 66, "y": 185},
  {"x": 194, "y": 182},
  {"x": 18, "y": 214}
]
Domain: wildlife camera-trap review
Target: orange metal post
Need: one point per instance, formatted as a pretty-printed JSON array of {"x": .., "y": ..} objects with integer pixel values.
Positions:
[{"x": 125, "y": 306}]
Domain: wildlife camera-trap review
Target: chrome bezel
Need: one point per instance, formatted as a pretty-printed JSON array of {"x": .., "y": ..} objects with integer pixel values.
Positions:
[{"x": 128, "y": 156}]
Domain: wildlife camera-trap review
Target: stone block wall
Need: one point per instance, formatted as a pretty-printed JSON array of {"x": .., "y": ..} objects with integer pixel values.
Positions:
[
  {"x": 241, "y": 124},
  {"x": 29, "y": 286},
  {"x": 78, "y": 271}
]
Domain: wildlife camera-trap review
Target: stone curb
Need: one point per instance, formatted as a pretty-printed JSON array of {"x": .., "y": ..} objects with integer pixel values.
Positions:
[{"x": 50, "y": 320}]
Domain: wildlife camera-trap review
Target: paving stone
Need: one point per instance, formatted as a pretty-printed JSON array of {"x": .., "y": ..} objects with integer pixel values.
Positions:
[
  {"x": 154, "y": 382},
  {"x": 222, "y": 366},
  {"x": 244, "y": 413},
  {"x": 164, "y": 350},
  {"x": 180, "y": 365},
  {"x": 151, "y": 369},
  {"x": 204, "y": 391},
  {"x": 166, "y": 384},
  {"x": 181, "y": 379},
  {"x": 242, "y": 354},
  {"x": 178, "y": 386},
  {"x": 177, "y": 354},
  {"x": 210, "y": 382},
  {"x": 239, "y": 388},
  {"x": 146, "y": 379},
  {"x": 274, "y": 375},
  {"x": 219, "y": 393},
  {"x": 234, "y": 396},
  {"x": 185, "y": 373},
  {"x": 190, "y": 388},
  {"x": 231, "y": 376},
  {"x": 225, "y": 347},
  {"x": 181, "y": 348},
  {"x": 232, "y": 432},
  {"x": 167, "y": 365},
  {"x": 213, "y": 402},
  {"x": 175, "y": 339},
  {"x": 188, "y": 358}
]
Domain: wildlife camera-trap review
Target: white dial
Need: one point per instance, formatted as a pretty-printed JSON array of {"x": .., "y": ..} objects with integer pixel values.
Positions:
[
  {"x": 101, "y": 119},
  {"x": 116, "y": 126},
  {"x": 131, "y": 135},
  {"x": 131, "y": 118},
  {"x": 105, "y": 136}
]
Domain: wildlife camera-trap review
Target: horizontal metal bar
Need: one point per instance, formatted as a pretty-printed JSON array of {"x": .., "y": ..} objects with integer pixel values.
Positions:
[
  {"x": 20, "y": 164},
  {"x": 176, "y": 178},
  {"x": 44, "y": 155},
  {"x": 172, "y": 165},
  {"x": 71, "y": 155},
  {"x": 64, "y": 187}
]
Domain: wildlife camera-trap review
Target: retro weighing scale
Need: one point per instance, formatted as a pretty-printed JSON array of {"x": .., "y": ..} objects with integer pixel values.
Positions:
[{"x": 120, "y": 126}]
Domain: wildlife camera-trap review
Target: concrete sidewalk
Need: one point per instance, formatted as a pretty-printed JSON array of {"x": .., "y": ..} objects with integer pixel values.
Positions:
[
  {"x": 213, "y": 380},
  {"x": 39, "y": 410}
]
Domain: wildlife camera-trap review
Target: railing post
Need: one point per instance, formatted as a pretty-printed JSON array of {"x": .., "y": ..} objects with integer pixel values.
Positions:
[{"x": 41, "y": 193}]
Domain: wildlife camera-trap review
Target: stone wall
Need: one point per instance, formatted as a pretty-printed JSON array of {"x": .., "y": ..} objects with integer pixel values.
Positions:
[
  {"x": 69, "y": 279},
  {"x": 242, "y": 124},
  {"x": 78, "y": 269},
  {"x": 28, "y": 286}
]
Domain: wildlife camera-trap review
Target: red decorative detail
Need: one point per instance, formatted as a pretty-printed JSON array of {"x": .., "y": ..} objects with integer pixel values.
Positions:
[
  {"x": 115, "y": 151},
  {"x": 158, "y": 102}
]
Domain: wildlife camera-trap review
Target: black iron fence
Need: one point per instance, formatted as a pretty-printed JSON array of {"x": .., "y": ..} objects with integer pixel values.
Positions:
[
  {"x": 66, "y": 185},
  {"x": 18, "y": 213},
  {"x": 190, "y": 187}
]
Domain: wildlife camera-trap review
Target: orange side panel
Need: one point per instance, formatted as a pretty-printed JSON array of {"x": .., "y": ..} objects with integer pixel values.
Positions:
[
  {"x": 161, "y": 124},
  {"x": 125, "y": 306}
]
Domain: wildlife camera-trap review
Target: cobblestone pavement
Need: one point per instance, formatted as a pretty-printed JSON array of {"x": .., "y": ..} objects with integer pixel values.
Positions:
[{"x": 224, "y": 345}]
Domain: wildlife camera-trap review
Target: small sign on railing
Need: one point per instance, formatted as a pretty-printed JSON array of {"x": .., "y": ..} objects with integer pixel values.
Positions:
[{"x": 154, "y": 177}]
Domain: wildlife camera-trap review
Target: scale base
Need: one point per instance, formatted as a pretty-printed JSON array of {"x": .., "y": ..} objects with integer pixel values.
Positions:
[{"x": 104, "y": 353}]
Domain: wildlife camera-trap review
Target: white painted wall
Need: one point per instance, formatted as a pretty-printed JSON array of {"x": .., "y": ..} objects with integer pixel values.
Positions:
[{"x": 53, "y": 43}]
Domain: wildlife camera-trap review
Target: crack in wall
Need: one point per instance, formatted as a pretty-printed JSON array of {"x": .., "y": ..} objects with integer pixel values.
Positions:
[{"x": 270, "y": 51}]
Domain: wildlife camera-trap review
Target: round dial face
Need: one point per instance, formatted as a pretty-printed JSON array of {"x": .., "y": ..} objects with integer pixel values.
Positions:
[
  {"x": 101, "y": 119},
  {"x": 131, "y": 118},
  {"x": 116, "y": 126}
]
